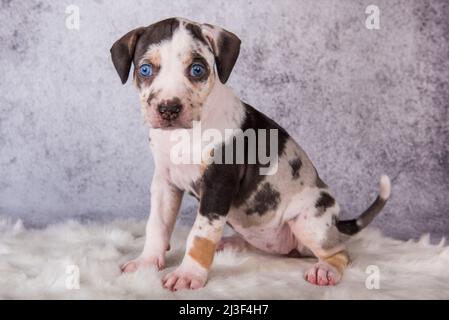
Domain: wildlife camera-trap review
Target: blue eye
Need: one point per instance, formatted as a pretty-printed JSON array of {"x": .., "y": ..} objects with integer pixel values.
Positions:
[
  {"x": 197, "y": 70},
  {"x": 146, "y": 70}
]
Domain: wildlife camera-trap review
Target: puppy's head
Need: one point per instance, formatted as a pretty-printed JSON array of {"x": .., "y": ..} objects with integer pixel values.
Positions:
[{"x": 176, "y": 64}]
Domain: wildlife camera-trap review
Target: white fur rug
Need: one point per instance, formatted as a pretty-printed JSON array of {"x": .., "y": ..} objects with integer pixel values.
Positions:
[{"x": 38, "y": 264}]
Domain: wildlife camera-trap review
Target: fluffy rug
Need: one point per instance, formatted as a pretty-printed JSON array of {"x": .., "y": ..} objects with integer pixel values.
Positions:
[{"x": 43, "y": 264}]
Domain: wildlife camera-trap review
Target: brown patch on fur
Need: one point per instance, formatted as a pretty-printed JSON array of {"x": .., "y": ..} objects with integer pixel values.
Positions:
[
  {"x": 189, "y": 58},
  {"x": 152, "y": 57},
  {"x": 339, "y": 261},
  {"x": 202, "y": 251},
  {"x": 153, "y": 95}
]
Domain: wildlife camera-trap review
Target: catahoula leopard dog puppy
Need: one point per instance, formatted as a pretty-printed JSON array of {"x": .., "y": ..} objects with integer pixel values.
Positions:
[{"x": 180, "y": 71}]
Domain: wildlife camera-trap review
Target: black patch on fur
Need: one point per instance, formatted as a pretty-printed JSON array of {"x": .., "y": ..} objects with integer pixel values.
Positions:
[
  {"x": 223, "y": 185},
  {"x": 250, "y": 173},
  {"x": 324, "y": 201},
  {"x": 228, "y": 51},
  {"x": 266, "y": 199},
  {"x": 219, "y": 184},
  {"x": 196, "y": 32},
  {"x": 318, "y": 182},
  {"x": 122, "y": 52},
  {"x": 348, "y": 227},
  {"x": 295, "y": 164},
  {"x": 353, "y": 226}
]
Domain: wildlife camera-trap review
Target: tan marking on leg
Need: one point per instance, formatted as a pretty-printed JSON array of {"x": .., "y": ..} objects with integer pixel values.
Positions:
[
  {"x": 202, "y": 251},
  {"x": 339, "y": 261}
]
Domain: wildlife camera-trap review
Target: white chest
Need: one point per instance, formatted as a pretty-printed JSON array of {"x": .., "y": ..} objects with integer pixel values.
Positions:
[
  {"x": 181, "y": 174},
  {"x": 185, "y": 176}
]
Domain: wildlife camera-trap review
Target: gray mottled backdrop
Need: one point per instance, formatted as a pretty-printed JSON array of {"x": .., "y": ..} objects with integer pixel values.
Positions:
[{"x": 360, "y": 102}]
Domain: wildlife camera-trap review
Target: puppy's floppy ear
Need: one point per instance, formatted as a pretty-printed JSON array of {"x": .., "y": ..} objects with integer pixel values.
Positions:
[
  {"x": 122, "y": 52},
  {"x": 226, "y": 47}
]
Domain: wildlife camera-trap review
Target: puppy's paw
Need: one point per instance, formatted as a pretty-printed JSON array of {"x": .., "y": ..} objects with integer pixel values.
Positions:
[
  {"x": 323, "y": 274},
  {"x": 157, "y": 262},
  {"x": 183, "y": 279},
  {"x": 234, "y": 242}
]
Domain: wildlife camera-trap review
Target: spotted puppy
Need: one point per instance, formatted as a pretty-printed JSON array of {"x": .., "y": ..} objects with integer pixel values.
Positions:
[{"x": 180, "y": 71}]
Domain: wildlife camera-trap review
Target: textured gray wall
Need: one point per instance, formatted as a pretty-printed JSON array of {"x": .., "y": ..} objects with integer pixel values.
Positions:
[{"x": 361, "y": 102}]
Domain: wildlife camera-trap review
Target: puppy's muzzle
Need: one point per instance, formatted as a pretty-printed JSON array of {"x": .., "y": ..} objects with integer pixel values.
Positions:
[{"x": 170, "y": 109}]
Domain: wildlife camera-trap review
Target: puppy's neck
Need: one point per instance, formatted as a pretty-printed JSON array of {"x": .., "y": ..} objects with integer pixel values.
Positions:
[{"x": 222, "y": 109}]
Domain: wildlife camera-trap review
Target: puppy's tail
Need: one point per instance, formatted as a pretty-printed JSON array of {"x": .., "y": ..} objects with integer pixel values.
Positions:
[{"x": 353, "y": 226}]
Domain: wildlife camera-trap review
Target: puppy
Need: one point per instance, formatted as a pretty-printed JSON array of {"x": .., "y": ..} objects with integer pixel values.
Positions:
[{"x": 279, "y": 205}]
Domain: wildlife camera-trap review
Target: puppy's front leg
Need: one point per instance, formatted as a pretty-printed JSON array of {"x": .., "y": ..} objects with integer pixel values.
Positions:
[
  {"x": 200, "y": 250},
  {"x": 165, "y": 203},
  {"x": 218, "y": 188}
]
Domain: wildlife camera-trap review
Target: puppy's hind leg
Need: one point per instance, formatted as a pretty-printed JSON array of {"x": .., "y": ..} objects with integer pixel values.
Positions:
[{"x": 315, "y": 229}]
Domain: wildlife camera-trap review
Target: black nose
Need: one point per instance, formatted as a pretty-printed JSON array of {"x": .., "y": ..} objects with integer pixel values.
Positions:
[{"x": 170, "y": 109}]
